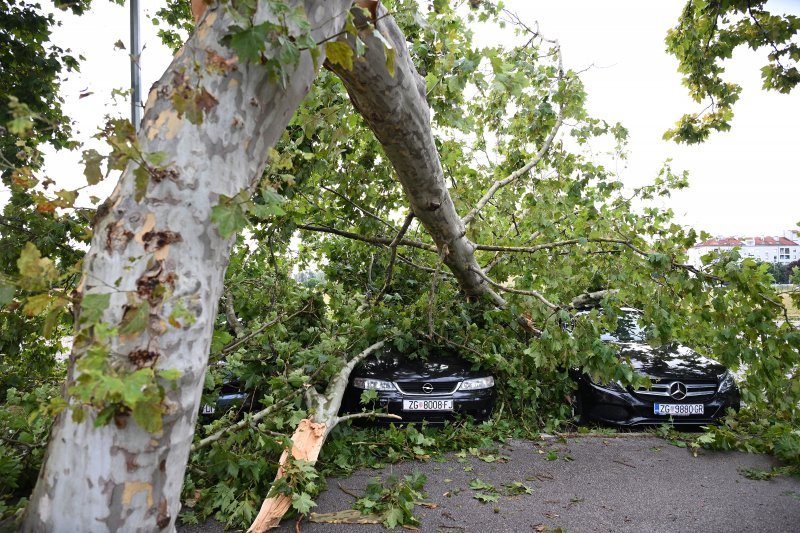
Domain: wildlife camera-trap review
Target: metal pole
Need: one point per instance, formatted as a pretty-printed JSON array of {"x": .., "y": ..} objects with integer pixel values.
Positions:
[{"x": 136, "y": 79}]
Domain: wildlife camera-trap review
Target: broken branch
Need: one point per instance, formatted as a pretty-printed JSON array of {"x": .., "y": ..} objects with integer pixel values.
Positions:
[
  {"x": 393, "y": 256},
  {"x": 535, "y": 294}
]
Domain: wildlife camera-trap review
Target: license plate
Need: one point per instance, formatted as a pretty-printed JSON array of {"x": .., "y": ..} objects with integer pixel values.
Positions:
[
  {"x": 678, "y": 409},
  {"x": 427, "y": 405},
  {"x": 207, "y": 409}
]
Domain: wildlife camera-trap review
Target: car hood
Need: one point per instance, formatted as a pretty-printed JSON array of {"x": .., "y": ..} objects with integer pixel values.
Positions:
[
  {"x": 670, "y": 361},
  {"x": 393, "y": 367}
]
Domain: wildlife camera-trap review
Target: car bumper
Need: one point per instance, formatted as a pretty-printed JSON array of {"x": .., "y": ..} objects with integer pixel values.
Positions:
[
  {"x": 625, "y": 409},
  {"x": 477, "y": 404}
]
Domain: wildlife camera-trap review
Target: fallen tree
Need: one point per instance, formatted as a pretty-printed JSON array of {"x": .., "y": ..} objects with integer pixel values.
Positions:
[{"x": 543, "y": 226}]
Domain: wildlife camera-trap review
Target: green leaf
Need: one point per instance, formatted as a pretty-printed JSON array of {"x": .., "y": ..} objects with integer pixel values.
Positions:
[
  {"x": 104, "y": 416},
  {"x": 36, "y": 304},
  {"x": 296, "y": 378},
  {"x": 339, "y": 53},
  {"x": 388, "y": 51},
  {"x": 393, "y": 517},
  {"x": 148, "y": 416},
  {"x": 368, "y": 396},
  {"x": 249, "y": 43},
  {"x": 156, "y": 158},
  {"x": 134, "y": 385},
  {"x": 141, "y": 179},
  {"x": 170, "y": 374},
  {"x": 92, "y": 307},
  {"x": 91, "y": 162},
  {"x": 229, "y": 217},
  {"x": 51, "y": 321},
  {"x": 135, "y": 319},
  {"x": 35, "y": 270},
  {"x": 219, "y": 340},
  {"x": 516, "y": 488},
  {"x": 267, "y": 211},
  {"x": 6, "y": 293},
  {"x": 302, "y": 502},
  {"x": 180, "y": 316},
  {"x": 478, "y": 484},
  {"x": 485, "y": 497}
]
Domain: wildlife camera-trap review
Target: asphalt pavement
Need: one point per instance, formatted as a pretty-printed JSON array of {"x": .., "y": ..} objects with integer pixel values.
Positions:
[{"x": 584, "y": 484}]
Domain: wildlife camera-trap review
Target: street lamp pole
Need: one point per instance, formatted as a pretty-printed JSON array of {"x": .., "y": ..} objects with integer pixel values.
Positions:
[{"x": 136, "y": 74}]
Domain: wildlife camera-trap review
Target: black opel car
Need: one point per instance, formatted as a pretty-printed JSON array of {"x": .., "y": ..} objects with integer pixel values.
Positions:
[
  {"x": 435, "y": 390},
  {"x": 687, "y": 388}
]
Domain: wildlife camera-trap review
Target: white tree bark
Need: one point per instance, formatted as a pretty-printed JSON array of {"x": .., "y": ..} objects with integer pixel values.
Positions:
[{"x": 119, "y": 477}]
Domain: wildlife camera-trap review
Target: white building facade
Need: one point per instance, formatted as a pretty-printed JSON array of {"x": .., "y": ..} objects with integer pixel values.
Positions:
[{"x": 770, "y": 249}]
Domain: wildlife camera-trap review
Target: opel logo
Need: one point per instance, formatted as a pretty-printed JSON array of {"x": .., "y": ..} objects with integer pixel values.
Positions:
[
  {"x": 677, "y": 390},
  {"x": 427, "y": 388}
]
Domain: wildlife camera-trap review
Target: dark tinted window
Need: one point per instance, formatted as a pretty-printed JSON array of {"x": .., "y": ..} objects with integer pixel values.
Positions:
[{"x": 628, "y": 329}]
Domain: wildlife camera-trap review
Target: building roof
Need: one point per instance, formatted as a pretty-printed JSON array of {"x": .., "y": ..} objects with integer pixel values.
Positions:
[{"x": 743, "y": 241}]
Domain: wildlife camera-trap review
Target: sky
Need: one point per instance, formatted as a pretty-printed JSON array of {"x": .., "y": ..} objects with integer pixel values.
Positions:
[{"x": 743, "y": 182}]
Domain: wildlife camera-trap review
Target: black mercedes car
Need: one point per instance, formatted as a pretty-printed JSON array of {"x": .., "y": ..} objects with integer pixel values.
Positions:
[
  {"x": 686, "y": 388},
  {"x": 435, "y": 390}
]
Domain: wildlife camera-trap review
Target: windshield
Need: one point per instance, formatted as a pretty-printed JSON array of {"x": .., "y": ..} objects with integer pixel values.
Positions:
[{"x": 628, "y": 329}]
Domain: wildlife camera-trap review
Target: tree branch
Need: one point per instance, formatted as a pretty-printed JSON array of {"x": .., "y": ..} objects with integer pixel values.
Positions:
[
  {"x": 547, "y": 246},
  {"x": 499, "y": 184},
  {"x": 535, "y": 294},
  {"x": 230, "y": 314},
  {"x": 229, "y": 348},
  {"x": 371, "y": 414},
  {"x": 351, "y": 202},
  {"x": 421, "y": 267},
  {"x": 393, "y": 256},
  {"x": 590, "y": 298},
  {"x": 243, "y": 423},
  {"x": 432, "y": 294},
  {"x": 331, "y": 402},
  {"x": 378, "y": 241}
]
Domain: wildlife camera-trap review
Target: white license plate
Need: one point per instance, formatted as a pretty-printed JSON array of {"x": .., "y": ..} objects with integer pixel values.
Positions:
[
  {"x": 427, "y": 405},
  {"x": 207, "y": 409},
  {"x": 678, "y": 409}
]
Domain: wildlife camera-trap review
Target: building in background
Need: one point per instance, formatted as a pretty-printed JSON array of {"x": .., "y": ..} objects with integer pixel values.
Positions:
[{"x": 783, "y": 249}]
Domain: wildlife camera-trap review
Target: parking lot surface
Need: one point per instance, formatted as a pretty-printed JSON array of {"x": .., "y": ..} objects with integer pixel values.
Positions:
[{"x": 587, "y": 483}]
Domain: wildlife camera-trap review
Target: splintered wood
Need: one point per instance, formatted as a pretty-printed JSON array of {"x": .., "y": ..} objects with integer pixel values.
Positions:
[{"x": 307, "y": 442}]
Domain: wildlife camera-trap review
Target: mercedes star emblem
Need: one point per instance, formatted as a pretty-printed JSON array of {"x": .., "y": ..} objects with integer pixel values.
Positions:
[
  {"x": 677, "y": 390},
  {"x": 427, "y": 388}
]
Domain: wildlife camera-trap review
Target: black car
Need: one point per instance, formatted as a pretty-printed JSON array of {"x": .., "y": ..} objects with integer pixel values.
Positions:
[
  {"x": 435, "y": 390},
  {"x": 231, "y": 396},
  {"x": 686, "y": 388}
]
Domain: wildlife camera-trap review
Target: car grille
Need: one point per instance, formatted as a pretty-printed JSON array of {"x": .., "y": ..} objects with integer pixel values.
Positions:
[
  {"x": 439, "y": 387},
  {"x": 694, "y": 391}
]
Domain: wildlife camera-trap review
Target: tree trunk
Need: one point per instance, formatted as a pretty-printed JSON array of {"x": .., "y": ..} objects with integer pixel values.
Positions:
[
  {"x": 119, "y": 476},
  {"x": 396, "y": 109},
  {"x": 307, "y": 442}
]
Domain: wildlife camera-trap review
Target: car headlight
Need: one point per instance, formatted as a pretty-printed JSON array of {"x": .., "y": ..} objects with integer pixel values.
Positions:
[
  {"x": 477, "y": 383},
  {"x": 727, "y": 383},
  {"x": 372, "y": 384}
]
